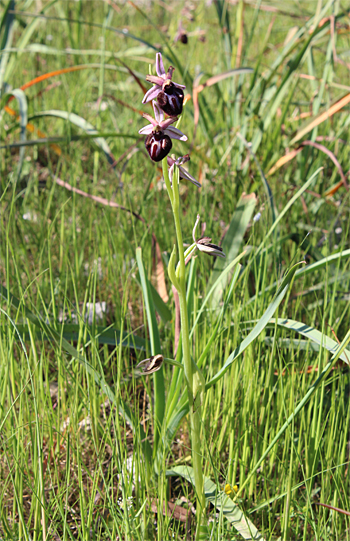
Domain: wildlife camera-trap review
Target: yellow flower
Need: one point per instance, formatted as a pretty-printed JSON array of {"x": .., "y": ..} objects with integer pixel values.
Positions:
[{"x": 230, "y": 491}]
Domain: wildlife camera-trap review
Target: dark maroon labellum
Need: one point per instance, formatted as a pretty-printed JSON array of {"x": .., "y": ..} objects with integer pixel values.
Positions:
[
  {"x": 184, "y": 38},
  {"x": 158, "y": 145},
  {"x": 171, "y": 99}
]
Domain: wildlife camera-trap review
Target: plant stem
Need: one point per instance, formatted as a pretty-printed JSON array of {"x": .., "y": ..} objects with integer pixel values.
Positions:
[{"x": 195, "y": 420}]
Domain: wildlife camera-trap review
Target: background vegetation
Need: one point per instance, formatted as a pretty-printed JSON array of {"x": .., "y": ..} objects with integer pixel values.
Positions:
[{"x": 71, "y": 467}]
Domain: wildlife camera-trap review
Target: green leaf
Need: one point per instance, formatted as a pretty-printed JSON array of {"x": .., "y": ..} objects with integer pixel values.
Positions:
[
  {"x": 263, "y": 321},
  {"x": 303, "y": 37},
  {"x": 292, "y": 200},
  {"x": 315, "y": 336},
  {"x": 322, "y": 263},
  {"x": 295, "y": 343},
  {"x": 150, "y": 310},
  {"x": 231, "y": 245},
  {"x": 218, "y": 499},
  {"x": 109, "y": 335},
  {"x": 178, "y": 407},
  {"x": 128, "y": 53},
  {"x": 162, "y": 309},
  {"x": 51, "y": 333}
]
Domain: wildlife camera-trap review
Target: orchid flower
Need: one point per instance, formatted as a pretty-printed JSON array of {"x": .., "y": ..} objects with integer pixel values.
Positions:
[
  {"x": 170, "y": 95},
  {"x": 204, "y": 244},
  {"x": 159, "y": 134},
  {"x": 183, "y": 173}
]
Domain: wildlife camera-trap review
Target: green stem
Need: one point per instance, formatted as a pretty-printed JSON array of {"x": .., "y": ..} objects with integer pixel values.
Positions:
[{"x": 195, "y": 420}]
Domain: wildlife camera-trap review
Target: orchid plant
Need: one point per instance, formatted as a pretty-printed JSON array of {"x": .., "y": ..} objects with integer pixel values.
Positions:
[{"x": 167, "y": 99}]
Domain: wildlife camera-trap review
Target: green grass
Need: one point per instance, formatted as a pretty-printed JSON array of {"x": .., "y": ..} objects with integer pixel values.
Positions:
[{"x": 67, "y": 450}]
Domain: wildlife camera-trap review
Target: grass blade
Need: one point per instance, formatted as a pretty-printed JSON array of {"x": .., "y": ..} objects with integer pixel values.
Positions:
[
  {"x": 308, "y": 269},
  {"x": 288, "y": 206},
  {"x": 26, "y": 35},
  {"x": 231, "y": 245},
  {"x": 264, "y": 320},
  {"x": 6, "y": 26},
  {"x": 197, "y": 88},
  {"x": 290, "y": 155},
  {"x": 159, "y": 305},
  {"x": 299, "y": 407},
  {"x": 222, "y": 276},
  {"x": 54, "y": 336},
  {"x": 158, "y": 377}
]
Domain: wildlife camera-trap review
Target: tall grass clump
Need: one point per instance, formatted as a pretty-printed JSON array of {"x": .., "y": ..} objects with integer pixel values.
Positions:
[{"x": 148, "y": 391}]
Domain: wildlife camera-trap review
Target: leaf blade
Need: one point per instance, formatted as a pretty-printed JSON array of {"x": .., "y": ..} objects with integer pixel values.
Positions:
[{"x": 314, "y": 335}]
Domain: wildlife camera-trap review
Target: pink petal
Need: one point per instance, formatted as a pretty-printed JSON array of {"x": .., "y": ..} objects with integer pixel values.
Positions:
[
  {"x": 151, "y": 94},
  {"x": 165, "y": 123},
  {"x": 159, "y": 65},
  {"x": 146, "y": 130},
  {"x": 155, "y": 80},
  {"x": 151, "y": 119},
  {"x": 179, "y": 86},
  {"x": 158, "y": 113}
]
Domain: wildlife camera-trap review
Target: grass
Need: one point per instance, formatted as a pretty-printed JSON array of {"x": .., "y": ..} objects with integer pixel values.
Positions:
[{"x": 72, "y": 462}]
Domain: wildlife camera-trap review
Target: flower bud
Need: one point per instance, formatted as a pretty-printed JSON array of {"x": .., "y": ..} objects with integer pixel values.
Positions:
[
  {"x": 171, "y": 99},
  {"x": 158, "y": 145},
  {"x": 152, "y": 364}
]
